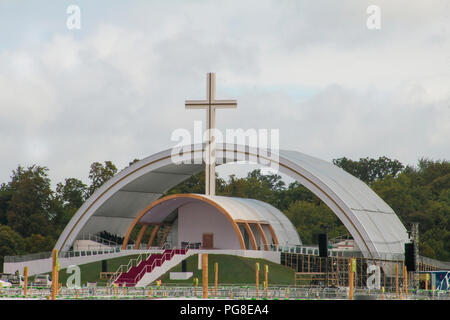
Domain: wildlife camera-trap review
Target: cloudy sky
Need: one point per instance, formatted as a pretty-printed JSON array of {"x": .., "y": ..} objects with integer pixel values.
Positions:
[{"x": 114, "y": 89}]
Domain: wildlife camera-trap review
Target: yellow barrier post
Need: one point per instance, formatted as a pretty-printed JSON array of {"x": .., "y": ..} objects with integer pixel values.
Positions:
[
  {"x": 57, "y": 279},
  {"x": 205, "y": 275},
  {"x": 257, "y": 278},
  {"x": 25, "y": 285},
  {"x": 54, "y": 273},
  {"x": 216, "y": 277},
  {"x": 158, "y": 285},
  {"x": 351, "y": 266},
  {"x": 264, "y": 287},
  {"x": 195, "y": 286},
  {"x": 266, "y": 278}
]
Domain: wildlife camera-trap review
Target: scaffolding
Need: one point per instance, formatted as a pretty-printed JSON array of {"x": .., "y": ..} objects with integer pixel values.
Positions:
[{"x": 333, "y": 271}]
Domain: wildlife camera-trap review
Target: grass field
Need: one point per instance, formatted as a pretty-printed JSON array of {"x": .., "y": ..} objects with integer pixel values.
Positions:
[
  {"x": 90, "y": 272},
  {"x": 233, "y": 270}
]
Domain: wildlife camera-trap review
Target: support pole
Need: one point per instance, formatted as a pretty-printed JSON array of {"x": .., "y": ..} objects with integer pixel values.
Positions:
[
  {"x": 266, "y": 277},
  {"x": 152, "y": 236},
  {"x": 350, "y": 279},
  {"x": 54, "y": 273},
  {"x": 205, "y": 275},
  {"x": 257, "y": 278},
  {"x": 25, "y": 285},
  {"x": 405, "y": 276},
  {"x": 140, "y": 235},
  {"x": 216, "y": 277},
  {"x": 396, "y": 281},
  {"x": 195, "y": 286},
  {"x": 57, "y": 280}
]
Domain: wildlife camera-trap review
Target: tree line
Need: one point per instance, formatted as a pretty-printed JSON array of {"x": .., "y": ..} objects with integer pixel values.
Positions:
[
  {"x": 416, "y": 193},
  {"x": 32, "y": 215}
]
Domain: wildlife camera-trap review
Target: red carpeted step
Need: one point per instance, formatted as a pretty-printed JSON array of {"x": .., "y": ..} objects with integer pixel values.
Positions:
[{"x": 135, "y": 273}]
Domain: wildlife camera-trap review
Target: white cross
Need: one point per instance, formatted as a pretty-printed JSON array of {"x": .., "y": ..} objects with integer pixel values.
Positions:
[{"x": 210, "y": 104}]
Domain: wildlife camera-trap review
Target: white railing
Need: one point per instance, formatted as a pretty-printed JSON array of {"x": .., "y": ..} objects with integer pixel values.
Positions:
[
  {"x": 90, "y": 252},
  {"x": 153, "y": 265},
  {"x": 340, "y": 238},
  {"x": 98, "y": 239},
  {"x": 149, "y": 268},
  {"x": 295, "y": 249},
  {"x": 127, "y": 267},
  {"x": 167, "y": 255},
  {"x": 166, "y": 245}
]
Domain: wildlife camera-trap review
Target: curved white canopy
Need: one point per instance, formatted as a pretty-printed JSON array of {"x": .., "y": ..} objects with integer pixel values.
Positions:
[
  {"x": 373, "y": 224},
  {"x": 238, "y": 209}
]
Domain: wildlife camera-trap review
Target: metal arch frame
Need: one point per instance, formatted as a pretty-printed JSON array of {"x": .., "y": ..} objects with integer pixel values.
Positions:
[
  {"x": 234, "y": 222},
  {"x": 184, "y": 195},
  {"x": 158, "y": 160}
]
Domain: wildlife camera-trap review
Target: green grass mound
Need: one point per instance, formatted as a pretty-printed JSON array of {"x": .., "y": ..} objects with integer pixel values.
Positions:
[
  {"x": 233, "y": 270},
  {"x": 90, "y": 272}
]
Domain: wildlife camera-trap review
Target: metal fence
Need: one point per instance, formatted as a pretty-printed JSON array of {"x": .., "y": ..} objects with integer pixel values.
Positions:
[
  {"x": 333, "y": 271},
  {"x": 224, "y": 291},
  {"x": 28, "y": 257}
]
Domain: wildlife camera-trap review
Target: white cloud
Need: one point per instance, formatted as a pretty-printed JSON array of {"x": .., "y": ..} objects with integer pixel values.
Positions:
[{"x": 116, "y": 89}]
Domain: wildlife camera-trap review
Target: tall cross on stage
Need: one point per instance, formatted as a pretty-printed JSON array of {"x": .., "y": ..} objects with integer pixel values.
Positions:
[{"x": 210, "y": 104}]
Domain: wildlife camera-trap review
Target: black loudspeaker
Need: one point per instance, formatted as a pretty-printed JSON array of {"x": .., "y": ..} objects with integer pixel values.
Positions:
[
  {"x": 410, "y": 256},
  {"x": 183, "y": 266},
  {"x": 104, "y": 266},
  {"x": 323, "y": 245}
]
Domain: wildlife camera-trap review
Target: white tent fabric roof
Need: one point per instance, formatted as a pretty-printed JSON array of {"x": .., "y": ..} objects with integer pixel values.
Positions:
[
  {"x": 375, "y": 227},
  {"x": 369, "y": 213},
  {"x": 238, "y": 209}
]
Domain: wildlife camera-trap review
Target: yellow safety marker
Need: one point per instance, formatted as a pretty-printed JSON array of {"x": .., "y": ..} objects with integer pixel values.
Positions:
[
  {"x": 205, "y": 275},
  {"x": 25, "y": 286},
  {"x": 257, "y": 278},
  {"x": 216, "y": 277}
]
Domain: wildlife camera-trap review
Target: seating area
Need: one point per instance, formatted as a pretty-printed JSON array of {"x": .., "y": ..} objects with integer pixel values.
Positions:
[{"x": 135, "y": 273}]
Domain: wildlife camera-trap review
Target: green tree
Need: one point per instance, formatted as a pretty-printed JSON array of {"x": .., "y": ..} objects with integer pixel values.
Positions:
[
  {"x": 422, "y": 194},
  {"x": 296, "y": 192},
  {"x": 5, "y": 197},
  {"x": 38, "y": 243},
  {"x": 72, "y": 193},
  {"x": 370, "y": 170},
  {"x": 11, "y": 243},
  {"x": 30, "y": 208},
  {"x": 99, "y": 174},
  {"x": 311, "y": 219},
  {"x": 234, "y": 187},
  {"x": 133, "y": 162}
]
